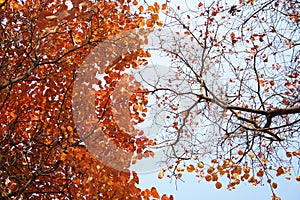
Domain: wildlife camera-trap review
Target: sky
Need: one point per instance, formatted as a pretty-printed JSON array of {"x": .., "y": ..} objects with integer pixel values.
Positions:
[{"x": 191, "y": 188}]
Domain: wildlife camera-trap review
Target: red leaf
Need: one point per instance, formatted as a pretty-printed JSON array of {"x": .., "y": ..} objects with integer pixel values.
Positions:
[{"x": 214, "y": 13}]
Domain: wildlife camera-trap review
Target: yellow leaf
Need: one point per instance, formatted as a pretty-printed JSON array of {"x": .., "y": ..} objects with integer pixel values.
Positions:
[
  {"x": 161, "y": 174},
  {"x": 69, "y": 128},
  {"x": 264, "y": 161},
  {"x": 251, "y": 155},
  {"x": 51, "y": 17},
  {"x": 201, "y": 164},
  {"x": 159, "y": 23},
  {"x": 251, "y": 1},
  {"x": 150, "y": 8}
]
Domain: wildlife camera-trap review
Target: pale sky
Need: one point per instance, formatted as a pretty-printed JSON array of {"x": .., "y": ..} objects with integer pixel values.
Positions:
[{"x": 192, "y": 189}]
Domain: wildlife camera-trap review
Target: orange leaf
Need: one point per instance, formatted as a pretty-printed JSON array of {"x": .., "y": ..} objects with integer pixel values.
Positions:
[
  {"x": 151, "y": 8},
  {"x": 208, "y": 178},
  {"x": 154, "y": 193},
  {"x": 201, "y": 164},
  {"x": 215, "y": 177},
  {"x": 218, "y": 185},
  {"x": 190, "y": 168},
  {"x": 210, "y": 170},
  {"x": 141, "y": 9},
  {"x": 146, "y": 193},
  {"x": 154, "y": 17},
  {"x": 232, "y": 35},
  {"x": 274, "y": 197},
  {"x": 251, "y": 155},
  {"x": 156, "y": 7},
  {"x": 288, "y": 154},
  {"x": 149, "y": 23},
  {"x": 165, "y": 197},
  {"x": 161, "y": 174},
  {"x": 135, "y": 2},
  {"x": 260, "y": 173},
  {"x": 240, "y": 152},
  {"x": 280, "y": 171}
]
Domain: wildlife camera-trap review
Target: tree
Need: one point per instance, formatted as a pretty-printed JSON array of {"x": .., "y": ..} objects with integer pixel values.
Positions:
[
  {"x": 43, "y": 44},
  {"x": 230, "y": 106},
  {"x": 237, "y": 72}
]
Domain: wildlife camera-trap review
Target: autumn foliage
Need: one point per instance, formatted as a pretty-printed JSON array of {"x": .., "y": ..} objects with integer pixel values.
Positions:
[
  {"x": 253, "y": 47},
  {"x": 241, "y": 68},
  {"x": 43, "y": 44}
]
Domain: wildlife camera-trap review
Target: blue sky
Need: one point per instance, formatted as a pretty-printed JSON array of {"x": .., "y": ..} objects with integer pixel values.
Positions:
[{"x": 191, "y": 189}]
